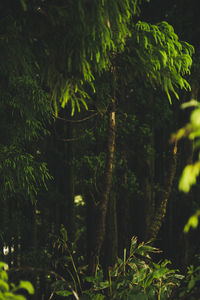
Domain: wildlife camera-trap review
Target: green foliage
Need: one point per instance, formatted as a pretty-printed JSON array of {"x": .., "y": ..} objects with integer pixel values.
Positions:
[
  {"x": 96, "y": 30},
  {"x": 21, "y": 173},
  {"x": 24, "y": 116},
  {"x": 164, "y": 59},
  {"x": 192, "y": 222},
  {"x": 189, "y": 288},
  {"x": 136, "y": 276},
  {"x": 25, "y": 111},
  {"x": 62, "y": 243},
  {"x": 191, "y": 131},
  {"x": 11, "y": 291},
  {"x": 52, "y": 55},
  {"x": 189, "y": 177},
  {"x": 191, "y": 172}
]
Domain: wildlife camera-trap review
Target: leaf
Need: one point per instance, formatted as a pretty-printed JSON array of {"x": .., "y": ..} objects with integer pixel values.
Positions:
[
  {"x": 98, "y": 56},
  {"x": 98, "y": 297},
  {"x": 3, "y": 266},
  {"x": 133, "y": 244},
  {"x": 63, "y": 231},
  {"x": 191, "y": 283},
  {"x": 73, "y": 107},
  {"x": 64, "y": 293},
  {"x": 149, "y": 280},
  {"x": 104, "y": 284},
  {"x": 164, "y": 57},
  {"x": 3, "y": 275},
  {"x": 195, "y": 118},
  {"x": 189, "y": 177},
  {"x": 159, "y": 273},
  {"x": 84, "y": 103},
  {"x": 4, "y": 287},
  {"x": 192, "y": 222},
  {"x": 65, "y": 98},
  {"x": 191, "y": 103},
  {"x": 24, "y": 5},
  {"x": 89, "y": 278},
  {"x": 11, "y": 296},
  {"x": 27, "y": 286}
]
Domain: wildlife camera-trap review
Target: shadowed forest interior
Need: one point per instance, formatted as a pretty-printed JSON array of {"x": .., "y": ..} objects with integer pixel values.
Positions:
[{"x": 99, "y": 117}]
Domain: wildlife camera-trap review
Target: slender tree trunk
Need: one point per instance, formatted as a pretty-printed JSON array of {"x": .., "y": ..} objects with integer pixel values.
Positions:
[
  {"x": 160, "y": 211},
  {"x": 103, "y": 203}
]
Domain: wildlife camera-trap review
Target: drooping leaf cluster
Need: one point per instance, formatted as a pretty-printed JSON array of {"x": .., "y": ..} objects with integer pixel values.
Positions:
[
  {"x": 155, "y": 52},
  {"x": 75, "y": 40},
  {"x": 97, "y": 31}
]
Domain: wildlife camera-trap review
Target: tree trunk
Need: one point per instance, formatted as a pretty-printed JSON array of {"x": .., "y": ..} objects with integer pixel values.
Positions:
[
  {"x": 161, "y": 206},
  {"x": 103, "y": 203}
]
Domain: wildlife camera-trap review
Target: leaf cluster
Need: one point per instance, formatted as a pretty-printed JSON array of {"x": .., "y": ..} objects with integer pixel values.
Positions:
[
  {"x": 192, "y": 131},
  {"x": 156, "y": 53},
  {"x": 11, "y": 291},
  {"x": 21, "y": 173}
]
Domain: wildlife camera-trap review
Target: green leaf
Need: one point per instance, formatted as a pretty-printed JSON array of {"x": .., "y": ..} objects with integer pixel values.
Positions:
[
  {"x": 3, "y": 275},
  {"x": 195, "y": 118},
  {"x": 133, "y": 244},
  {"x": 189, "y": 177},
  {"x": 26, "y": 285},
  {"x": 64, "y": 293},
  {"x": 191, "y": 103},
  {"x": 63, "y": 231},
  {"x": 11, "y": 296},
  {"x": 4, "y": 287},
  {"x": 191, "y": 283},
  {"x": 98, "y": 297},
  {"x": 89, "y": 278},
  {"x": 192, "y": 222},
  {"x": 24, "y": 5},
  {"x": 3, "y": 265}
]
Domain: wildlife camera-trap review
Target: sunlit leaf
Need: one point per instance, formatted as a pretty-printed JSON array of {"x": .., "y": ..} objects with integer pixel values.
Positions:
[
  {"x": 189, "y": 177},
  {"x": 27, "y": 286}
]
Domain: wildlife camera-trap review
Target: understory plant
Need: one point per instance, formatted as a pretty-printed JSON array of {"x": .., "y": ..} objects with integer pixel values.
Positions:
[
  {"x": 189, "y": 288},
  {"x": 136, "y": 276}
]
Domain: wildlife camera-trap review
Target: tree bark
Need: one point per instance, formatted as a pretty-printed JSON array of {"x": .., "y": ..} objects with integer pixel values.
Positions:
[
  {"x": 160, "y": 211},
  {"x": 103, "y": 203}
]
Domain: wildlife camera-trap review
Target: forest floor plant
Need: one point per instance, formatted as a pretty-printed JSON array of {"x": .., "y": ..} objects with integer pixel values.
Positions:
[{"x": 136, "y": 276}]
